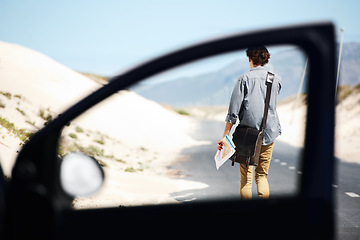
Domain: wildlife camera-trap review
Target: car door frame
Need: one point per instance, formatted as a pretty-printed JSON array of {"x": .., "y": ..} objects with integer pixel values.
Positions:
[{"x": 35, "y": 199}]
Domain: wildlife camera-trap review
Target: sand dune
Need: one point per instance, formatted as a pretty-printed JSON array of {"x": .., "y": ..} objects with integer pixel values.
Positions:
[
  {"x": 41, "y": 79},
  {"x": 347, "y": 130}
]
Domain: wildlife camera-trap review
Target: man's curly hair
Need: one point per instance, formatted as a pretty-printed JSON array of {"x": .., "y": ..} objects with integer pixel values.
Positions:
[{"x": 259, "y": 55}]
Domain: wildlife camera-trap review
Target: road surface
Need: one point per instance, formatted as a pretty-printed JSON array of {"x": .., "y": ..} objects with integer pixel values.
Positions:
[{"x": 283, "y": 178}]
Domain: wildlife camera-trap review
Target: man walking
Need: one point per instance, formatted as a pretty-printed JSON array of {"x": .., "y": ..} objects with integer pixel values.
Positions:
[{"x": 247, "y": 105}]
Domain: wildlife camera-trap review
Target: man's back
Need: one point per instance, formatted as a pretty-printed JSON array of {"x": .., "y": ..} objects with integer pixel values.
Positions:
[{"x": 247, "y": 103}]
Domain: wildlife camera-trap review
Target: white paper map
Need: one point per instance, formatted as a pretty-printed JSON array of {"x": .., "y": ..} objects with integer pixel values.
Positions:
[{"x": 225, "y": 153}]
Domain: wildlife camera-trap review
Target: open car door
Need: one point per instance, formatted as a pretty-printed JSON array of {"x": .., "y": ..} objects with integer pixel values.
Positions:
[{"x": 38, "y": 208}]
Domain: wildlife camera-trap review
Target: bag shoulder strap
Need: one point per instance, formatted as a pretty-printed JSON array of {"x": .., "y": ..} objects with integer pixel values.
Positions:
[{"x": 269, "y": 80}]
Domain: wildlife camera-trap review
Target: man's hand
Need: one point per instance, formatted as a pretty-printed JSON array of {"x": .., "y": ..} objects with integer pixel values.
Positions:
[
  {"x": 220, "y": 145},
  {"x": 226, "y": 132}
]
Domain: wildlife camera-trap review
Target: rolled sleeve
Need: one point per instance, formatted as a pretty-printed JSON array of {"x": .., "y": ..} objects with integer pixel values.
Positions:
[
  {"x": 236, "y": 100},
  {"x": 231, "y": 118}
]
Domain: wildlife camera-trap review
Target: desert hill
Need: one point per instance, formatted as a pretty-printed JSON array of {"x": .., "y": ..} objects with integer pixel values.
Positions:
[{"x": 41, "y": 79}]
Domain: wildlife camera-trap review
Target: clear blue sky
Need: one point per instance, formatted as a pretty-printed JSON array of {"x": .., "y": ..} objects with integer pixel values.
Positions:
[{"x": 106, "y": 36}]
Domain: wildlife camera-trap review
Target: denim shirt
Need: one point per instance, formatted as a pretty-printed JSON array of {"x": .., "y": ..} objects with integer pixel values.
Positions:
[{"x": 248, "y": 101}]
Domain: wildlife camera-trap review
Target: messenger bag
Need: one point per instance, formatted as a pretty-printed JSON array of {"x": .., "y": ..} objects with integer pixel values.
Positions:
[{"x": 248, "y": 140}]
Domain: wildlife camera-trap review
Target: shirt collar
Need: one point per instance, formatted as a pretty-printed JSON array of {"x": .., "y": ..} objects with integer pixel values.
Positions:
[{"x": 257, "y": 68}]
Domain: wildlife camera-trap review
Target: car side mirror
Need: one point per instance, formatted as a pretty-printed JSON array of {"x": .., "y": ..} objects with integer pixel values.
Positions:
[{"x": 80, "y": 175}]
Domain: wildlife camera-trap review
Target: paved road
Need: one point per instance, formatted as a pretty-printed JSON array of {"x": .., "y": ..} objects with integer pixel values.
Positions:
[{"x": 283, "y": 178}]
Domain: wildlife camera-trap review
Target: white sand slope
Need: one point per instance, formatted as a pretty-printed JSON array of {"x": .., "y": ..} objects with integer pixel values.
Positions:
[
  {"x": 347, "y": 132},
  {"x": 40, "y": 78},
  {"x": 292, "y": 119}
]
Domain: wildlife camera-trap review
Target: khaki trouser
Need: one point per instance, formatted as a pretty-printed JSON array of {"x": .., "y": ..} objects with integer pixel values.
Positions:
[{"x": 261, "y": 172}]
